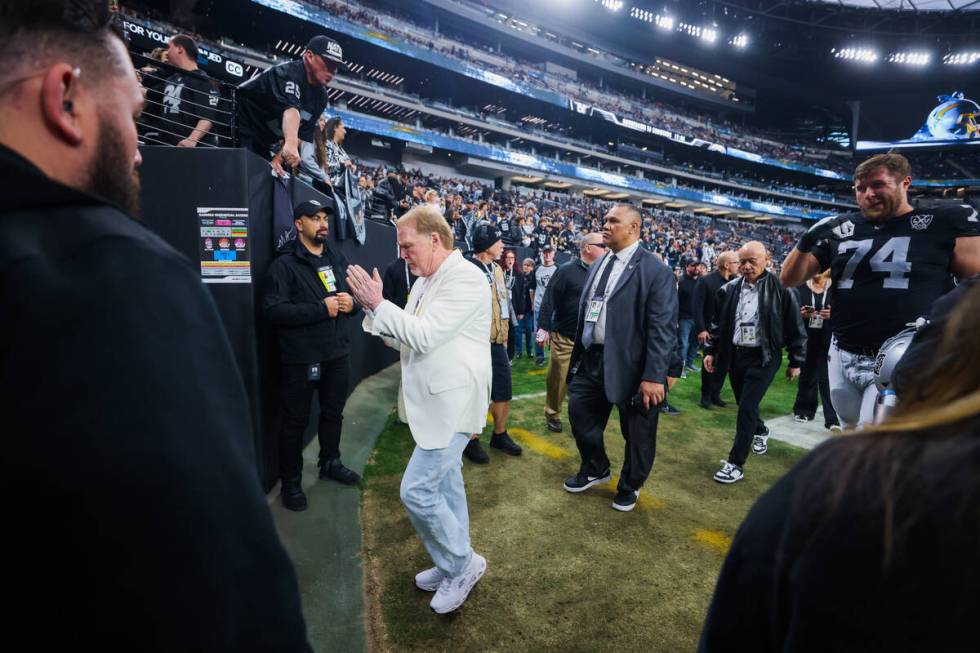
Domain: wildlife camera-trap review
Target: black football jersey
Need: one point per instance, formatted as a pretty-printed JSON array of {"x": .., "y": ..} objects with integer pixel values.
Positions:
[
  {"x": 263, "y": 99},
  {"x": 177, "y": 102},
  {"x": 886, "y": 275}
]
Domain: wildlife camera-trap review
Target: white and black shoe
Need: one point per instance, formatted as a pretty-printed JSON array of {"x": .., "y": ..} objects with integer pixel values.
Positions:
[
  {"x": 625, "y": 500},
  {"x": 430, "y": 579},
  {"x": 454, "y": 590},
  {"x": 802, "y": 419},
  {"x": 582, "y": 482},
  {"x": 729, "y": 473},
  {"x": 760, "y": 443}
]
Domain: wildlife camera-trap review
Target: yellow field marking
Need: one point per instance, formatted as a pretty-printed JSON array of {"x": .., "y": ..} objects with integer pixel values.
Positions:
[
  {"x": 539, "y": 445},
  {"x": 715, "y": 540},
  {"x": 644, "y": 502},
  {"x": 538, "y": 372}
]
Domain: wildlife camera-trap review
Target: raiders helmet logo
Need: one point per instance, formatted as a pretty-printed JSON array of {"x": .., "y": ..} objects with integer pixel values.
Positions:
[
  {"x": 921, "y": 222},
  {"x": 844, "y": 229}
]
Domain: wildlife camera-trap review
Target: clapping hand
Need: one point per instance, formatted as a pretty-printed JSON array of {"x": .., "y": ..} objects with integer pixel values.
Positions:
[{"x": 366, "y": 288}]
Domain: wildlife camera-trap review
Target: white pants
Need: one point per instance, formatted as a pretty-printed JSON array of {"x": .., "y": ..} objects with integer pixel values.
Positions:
[{"x": 852, "y": 386}]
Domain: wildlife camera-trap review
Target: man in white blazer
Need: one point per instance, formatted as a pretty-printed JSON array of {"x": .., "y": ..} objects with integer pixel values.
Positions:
[{"x": 443, "y": 334}]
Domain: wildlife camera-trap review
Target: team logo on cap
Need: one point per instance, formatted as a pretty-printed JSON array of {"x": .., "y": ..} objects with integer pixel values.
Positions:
[
  {"x": 921, "y": 222},
  {"x": 315, "y": 203},
  {"x": 334, "y": 50}
]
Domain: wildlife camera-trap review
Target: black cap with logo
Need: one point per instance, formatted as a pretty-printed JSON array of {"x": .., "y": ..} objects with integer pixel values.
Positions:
[
  {"x": 328, "y": 49},
  {"x": 310, "y": 208}
]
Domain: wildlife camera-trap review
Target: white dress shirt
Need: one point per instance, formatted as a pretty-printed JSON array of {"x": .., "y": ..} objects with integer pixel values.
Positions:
[
  {"x": 623, "y": 257},
  {"x": 747, "y": 312}
]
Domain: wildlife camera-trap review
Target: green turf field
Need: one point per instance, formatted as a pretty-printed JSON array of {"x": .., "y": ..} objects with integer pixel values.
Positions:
[{"x": 567, "y": 572}]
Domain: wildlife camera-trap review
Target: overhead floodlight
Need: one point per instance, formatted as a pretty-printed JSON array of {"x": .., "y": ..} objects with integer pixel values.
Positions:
[
  {"x": 642, "y": 14},
  {"x": 739, "y": 40},
  {"x": 612, "y": 5},
  {"x": 910, "y": 58},
  {"x": 863, "y": 55},
  {"x": 967, "y": 58},
  {"x": 709, "y": 34},
  {"x": 664, "y": 22}
]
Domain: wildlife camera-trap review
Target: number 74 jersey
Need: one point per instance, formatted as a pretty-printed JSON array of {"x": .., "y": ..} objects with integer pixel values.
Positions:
[{"x": 887, "y": 274}]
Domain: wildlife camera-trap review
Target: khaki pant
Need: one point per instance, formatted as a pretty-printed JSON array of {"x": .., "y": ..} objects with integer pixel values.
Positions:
[{"x": 561, "y": 353}]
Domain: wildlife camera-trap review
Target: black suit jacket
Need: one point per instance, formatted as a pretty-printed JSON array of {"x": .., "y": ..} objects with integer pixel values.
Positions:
[
  {"x": 705, "y": 295},
  {"x": 641, "y": 326}
]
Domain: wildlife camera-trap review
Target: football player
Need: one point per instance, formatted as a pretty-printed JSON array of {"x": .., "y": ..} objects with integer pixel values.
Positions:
[{"x": 889, "y": 261}]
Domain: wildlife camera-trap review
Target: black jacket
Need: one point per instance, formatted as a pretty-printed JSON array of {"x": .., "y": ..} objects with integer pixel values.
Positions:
[
  {"x": 559, "y": 308},
  {"x": 293, "y": 302},
  {"x": 641, "y": 326},
  {"x": 780, "y": 323},
  {"x": 685, "y": 297},
  {"x": 144, "y": 526},
  {"x": 703, "y": 303},
  {"x": 520, "y": 293},
  {"x": 397, "y": 281}
]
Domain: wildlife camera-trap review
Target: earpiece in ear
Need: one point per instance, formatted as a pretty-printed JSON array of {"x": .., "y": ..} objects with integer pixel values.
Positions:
[{"x": 69, "y": 106}]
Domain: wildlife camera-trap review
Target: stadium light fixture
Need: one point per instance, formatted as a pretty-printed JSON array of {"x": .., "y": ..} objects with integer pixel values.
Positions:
[
  {"x": 862, "y": 55},
  {"x": 709, "y": 34},
  {"x": 612, "y": 5},
  {"x": 664, "y": 22},
  {"x": 910, "y": 58},
  {"x": 642, "y": 14},
  {"x": 740, "y": 40},
  {"x": 967, "y": 58}
]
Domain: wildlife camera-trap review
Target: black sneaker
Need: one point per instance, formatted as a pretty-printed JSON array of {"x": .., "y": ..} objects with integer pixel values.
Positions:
[
  {"x": 554, "y": 424},
  {"x": 475, "y": 453},
  {"x": 721, "y": 403},
  {"x": 705, "y": 403},
  {"x": 293, "y": 497},
  {"x": 539, "y": 363},
  {"x": 667, "y": 409},
  {"x": 503, "y": 442},
  {"x": 582, "y": 482},
  {"x": 625, "y": 500},
  {"x": 333, "y": 470}
]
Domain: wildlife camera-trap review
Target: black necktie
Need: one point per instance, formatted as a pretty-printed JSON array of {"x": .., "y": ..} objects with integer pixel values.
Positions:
[{"x": 588, "y": 331}]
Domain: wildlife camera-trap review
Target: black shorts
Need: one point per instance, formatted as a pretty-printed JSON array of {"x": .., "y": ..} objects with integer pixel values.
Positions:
[{"x": 500, "y": 388}]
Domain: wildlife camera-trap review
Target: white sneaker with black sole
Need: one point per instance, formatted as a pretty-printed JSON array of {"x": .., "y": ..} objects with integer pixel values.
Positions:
[
  {"x": 430, "y": 579},
  {"x": 729, "y": 473},
  {"x": 760, "y": 444},
  {"x": 454, "y": 590}
]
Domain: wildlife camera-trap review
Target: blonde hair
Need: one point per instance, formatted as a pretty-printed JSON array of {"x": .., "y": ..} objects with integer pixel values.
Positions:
[{"x": 426, "y": 220}]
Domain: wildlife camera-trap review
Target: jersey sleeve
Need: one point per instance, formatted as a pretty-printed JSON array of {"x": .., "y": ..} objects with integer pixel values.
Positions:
[{"x": 965, "y": 221}]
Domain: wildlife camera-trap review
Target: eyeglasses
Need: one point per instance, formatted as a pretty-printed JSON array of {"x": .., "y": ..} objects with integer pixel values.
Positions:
[{"x": 599, "y": 245}]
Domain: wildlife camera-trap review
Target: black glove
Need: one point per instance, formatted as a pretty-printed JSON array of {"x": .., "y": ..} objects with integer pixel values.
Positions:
[{"x": 819, "y": 232}]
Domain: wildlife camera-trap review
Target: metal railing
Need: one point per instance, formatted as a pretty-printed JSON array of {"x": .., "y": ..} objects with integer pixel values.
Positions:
[{"x": 172, "y": 111}]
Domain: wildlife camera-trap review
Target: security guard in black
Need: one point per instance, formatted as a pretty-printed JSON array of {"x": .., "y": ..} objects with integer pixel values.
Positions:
[{"x": 308, "y": 302}]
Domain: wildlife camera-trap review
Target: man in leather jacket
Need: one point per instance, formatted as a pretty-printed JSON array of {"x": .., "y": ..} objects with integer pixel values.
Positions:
[{"x": 755, "y": 317}]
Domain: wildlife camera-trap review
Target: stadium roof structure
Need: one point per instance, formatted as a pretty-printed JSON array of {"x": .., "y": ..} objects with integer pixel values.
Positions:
[{"x": 909, "y": 5}]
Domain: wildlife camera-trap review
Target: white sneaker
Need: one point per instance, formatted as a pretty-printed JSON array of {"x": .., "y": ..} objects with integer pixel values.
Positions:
[
  {"x": 760, "y": 444},
  {"x": 453, "y": 590},
  {"x": 429, "y": 579},
  {"x": 801, "y": 419},
  {"x": 729, "y": 473},
  {"x": 835, "y": 428}
]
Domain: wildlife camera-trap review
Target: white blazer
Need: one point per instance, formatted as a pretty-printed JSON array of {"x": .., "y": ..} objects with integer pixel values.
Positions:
[{"x": 443, "y": 335}]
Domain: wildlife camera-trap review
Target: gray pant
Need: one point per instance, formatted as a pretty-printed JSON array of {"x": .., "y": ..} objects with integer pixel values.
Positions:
[{"x": 434, "y": 495}]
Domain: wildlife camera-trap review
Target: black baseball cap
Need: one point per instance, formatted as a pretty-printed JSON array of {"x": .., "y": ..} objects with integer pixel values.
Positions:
[
  {"x": 485, "y": 236},
  {"x": 328, "y": 49},
  {"x": 310, "y": 208}
]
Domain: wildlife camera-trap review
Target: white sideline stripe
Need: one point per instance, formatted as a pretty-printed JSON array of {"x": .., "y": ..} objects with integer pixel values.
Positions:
[{"x": 530, "y": 395}]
